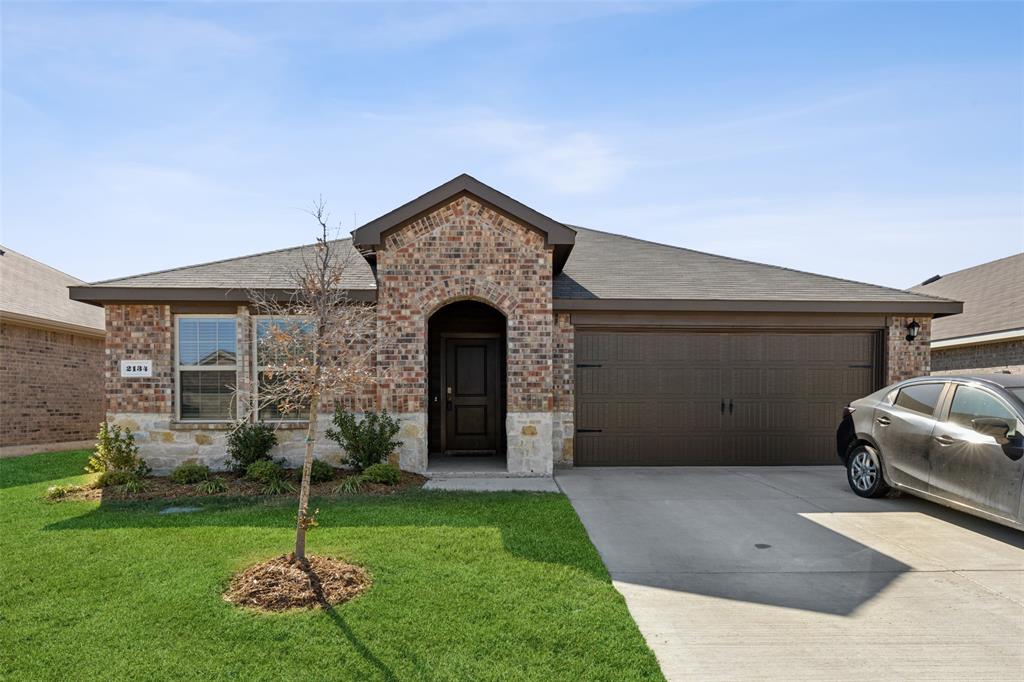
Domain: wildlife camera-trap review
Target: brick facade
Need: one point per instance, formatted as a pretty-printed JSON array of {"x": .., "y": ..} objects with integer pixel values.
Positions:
[
  {"x": 906, "y": 359},
  {"x": 52, "y": 386},
  {"x": 140, "y": 332},
  {"x": 985, "y": 358}
]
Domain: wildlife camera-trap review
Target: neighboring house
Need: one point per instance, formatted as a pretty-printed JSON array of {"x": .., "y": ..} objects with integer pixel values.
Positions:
[
  {"x": 989, "y": 335},
  {"x": 503, "y": 332},
  {"x": 51, "y": 360}
]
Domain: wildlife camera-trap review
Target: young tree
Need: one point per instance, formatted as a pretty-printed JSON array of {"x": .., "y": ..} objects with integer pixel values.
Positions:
[{"x": 314, "y": 343}]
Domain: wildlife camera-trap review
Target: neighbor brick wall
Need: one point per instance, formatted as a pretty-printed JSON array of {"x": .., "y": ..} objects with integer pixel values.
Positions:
[
  {"x": 906, "y": 359},
  {"x": 464, "y": 250},
  {"x": 51, "y": 385},
  {"x": 140, "y": 332},
  {"x": 981, "y": 359}
]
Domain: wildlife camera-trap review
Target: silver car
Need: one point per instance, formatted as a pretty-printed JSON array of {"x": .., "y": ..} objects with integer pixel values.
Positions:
[{"x": 955, "y": 440}]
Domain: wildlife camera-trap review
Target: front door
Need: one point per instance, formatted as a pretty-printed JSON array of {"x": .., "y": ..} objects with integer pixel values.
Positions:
[{"x": 472, "y": 395}]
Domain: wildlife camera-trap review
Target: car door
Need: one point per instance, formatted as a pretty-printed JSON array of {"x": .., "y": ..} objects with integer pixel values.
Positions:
[
  {"x": 973, "y": 468},
  {"x": 903, "y": 431}
]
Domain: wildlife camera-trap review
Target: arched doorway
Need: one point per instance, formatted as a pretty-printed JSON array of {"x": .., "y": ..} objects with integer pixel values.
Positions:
[{"x": 466, "y": 388}]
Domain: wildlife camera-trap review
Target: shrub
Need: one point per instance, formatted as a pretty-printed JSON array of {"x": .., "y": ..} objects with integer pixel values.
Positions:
[
  {"x": 250, "y": 443},
  {"x": 116, "y": 451},
  {"x": 386, "y": 474},
  {"x": 211, "y": 486},
  {"x": 351, "y": 484},
  {"x": 59, "y": 492},
  {"x": 114, "y": 477},
  {"x": 264, "y": 471},
  {"x": 190, "y": 472},
  {"x": 366, "y": 441},
  {"x": 279, "y": 486},
  {"x": 136, "y": 485},
  {"x": 321, "y": 472}
]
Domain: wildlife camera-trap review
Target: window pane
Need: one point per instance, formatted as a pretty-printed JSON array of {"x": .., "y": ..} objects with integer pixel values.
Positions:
[
  {"x": 271, "y": 412},
  {"x": 207, "y": 395},
  {"x": 920, "y": 397},
  {"x": 294, "y": 326},
  {"x": 972, "y": 403},
  {"x": 209, "y": 341}
]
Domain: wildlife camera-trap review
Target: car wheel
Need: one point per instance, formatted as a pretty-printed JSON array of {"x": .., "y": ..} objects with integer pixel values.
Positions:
[{"x": 864, "y": 472}]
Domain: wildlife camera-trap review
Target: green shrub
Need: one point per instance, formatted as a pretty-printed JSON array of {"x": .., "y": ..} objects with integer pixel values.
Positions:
[
  {"x": 136, "y": 485},
  {"x": 386, "y": 474},
  {"x": 114, "y": 477},
  {"x": 321, "y": 472},
  {"x": 116, "y": 451},
  {"x": 211, "y": 486},
  {"x": 59, "y": 492},
  {"x": 264, "y": 471},
  {"x": 279, "y": 486},
  {"x": 366, "y": 441},
  {"x": 250, "y": 443},
  {"x": 349, "y": 485},
  {"x": 190, "y": 472}
]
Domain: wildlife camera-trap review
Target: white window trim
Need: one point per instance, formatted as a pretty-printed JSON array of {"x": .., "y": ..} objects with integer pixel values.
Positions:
[
  {"x": 256, "y": 368},
  {"x": 178, "y": 368}
]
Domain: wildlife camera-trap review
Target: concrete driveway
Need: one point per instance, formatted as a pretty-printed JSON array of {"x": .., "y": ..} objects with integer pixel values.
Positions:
[{"x": 783, "y": 573}]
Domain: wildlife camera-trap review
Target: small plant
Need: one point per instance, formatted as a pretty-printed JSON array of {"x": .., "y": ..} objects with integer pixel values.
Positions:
[
  {"x": 136, "y": 485},
  {"x": 114, "y": 477},
  {"x": 116, "y": 451},
  {"x": 385, "y": 474},
  {"x": 59, "y": 492},
  {"x": 250, "y": 443},
  {"x": 349, "y": 485},
  {"x": 279, "y": 486},
  {"x": 190, "y": 472},
  {"x": 321, "y": 472},
  {"x": 211, "y": 486},
  {"x": 264, "y": 471},
  {"x": 366, "y": 441}
]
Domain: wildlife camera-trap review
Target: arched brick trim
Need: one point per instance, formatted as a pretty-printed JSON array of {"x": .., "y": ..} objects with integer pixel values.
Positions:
[{"x": 465, "y": 288}]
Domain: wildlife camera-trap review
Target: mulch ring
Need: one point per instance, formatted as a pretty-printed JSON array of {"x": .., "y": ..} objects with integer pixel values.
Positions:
[
  {"x": 281, "y": 585},
  {"x": 163, "y": 488}
]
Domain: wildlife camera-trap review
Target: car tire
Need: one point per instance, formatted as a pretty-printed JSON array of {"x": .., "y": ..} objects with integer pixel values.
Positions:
[{"x": 864, "y": 472}]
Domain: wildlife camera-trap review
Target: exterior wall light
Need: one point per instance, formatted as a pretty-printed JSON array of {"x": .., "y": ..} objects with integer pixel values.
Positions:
[{"x": 912, "y": 330}]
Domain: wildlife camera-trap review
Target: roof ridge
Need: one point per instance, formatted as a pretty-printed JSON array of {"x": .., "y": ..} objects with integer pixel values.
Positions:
[
  {"x": 212, "y": 262},
  {"x": 766, "y": 265},
  {"x": 8, "y": 249}
]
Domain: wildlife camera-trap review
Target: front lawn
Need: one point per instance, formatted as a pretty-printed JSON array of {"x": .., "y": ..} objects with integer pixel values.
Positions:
[{"x": 465, "y": 586}]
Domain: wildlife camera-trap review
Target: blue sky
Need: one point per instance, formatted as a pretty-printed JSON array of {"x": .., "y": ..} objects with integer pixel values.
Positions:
[{"x": 873, "y": 141}]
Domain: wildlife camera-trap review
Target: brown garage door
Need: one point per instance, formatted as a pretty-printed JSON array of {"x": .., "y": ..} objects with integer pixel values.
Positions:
[{"x": 705, "y": 398}]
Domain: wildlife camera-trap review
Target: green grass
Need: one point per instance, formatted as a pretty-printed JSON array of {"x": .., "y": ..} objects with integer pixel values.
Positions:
[{"x": 501, "y": 586}]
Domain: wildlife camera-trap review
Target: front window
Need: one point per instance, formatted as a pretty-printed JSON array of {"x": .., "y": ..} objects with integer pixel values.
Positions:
[
  {"x": 971, "y": 403},
  {"x": 206, "y": 368},
  {"x": 278, "y": 359}
]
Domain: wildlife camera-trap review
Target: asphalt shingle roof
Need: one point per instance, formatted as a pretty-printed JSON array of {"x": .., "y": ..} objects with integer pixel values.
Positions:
[
  {"x": 993, "y": 296},
  {"x": 32, "y": 289}
]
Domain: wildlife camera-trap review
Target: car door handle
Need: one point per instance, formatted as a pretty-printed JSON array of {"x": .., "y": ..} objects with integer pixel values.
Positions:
[
  {"x": 945, "y": 440},
  {"x": 884, "y": 421}
]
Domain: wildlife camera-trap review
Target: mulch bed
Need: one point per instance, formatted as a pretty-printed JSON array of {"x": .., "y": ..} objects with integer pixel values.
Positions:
[
  {"x": 163, "y": 488},
  {"x": 282, "y": 585}
]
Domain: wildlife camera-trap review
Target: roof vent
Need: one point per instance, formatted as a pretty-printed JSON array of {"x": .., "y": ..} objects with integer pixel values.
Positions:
[{"x": 936, "y": 278}]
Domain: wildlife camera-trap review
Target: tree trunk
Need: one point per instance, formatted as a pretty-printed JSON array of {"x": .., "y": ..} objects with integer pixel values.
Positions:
[{"x": 307, "y": 468}]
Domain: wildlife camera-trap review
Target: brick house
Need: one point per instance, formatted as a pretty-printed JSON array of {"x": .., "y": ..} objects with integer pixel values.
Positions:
[
  {"x": 51, "y": 360},
  {"x": 988, "y": 337},
  {"x": 507, "y": 340}
]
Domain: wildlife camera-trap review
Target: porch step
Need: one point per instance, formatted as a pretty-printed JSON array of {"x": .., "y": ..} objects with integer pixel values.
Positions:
[{"x": 490, "y": 483}]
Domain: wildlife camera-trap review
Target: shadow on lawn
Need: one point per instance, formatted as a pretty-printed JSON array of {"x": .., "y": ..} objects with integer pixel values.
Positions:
[
  {"x": 38, "y": 468},
  {"x": 521, "y": 533}
]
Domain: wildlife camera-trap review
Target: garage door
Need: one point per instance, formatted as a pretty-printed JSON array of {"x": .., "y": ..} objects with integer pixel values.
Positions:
[{"x": 704, "y": 398}]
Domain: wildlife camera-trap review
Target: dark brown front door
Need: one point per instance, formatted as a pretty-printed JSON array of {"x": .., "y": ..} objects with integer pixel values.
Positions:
[
  {"x": 699, "y": 398},
  {"x": 472, "y": 394}
]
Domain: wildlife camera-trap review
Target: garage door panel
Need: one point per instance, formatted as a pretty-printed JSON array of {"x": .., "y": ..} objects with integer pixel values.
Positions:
[{"x": 656, "y": 398}]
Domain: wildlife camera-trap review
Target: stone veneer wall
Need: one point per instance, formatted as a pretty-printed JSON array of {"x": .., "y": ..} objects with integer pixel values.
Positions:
[
  {"x": 52, "y": 386},
  {"x": 985, "y": 358},
  {"x": 906, "y": 359},
  {"x": 464, "y": 250}
]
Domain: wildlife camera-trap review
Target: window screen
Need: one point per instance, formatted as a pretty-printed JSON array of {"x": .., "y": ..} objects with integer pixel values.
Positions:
[{"x": 206, "y": 356}]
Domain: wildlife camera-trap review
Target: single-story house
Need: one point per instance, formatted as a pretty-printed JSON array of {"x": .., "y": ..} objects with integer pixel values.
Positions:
[
  {"x": 51, "y": 360},
  {"x": 988, "y": 337},
  {"x": 505, "y": 333}
]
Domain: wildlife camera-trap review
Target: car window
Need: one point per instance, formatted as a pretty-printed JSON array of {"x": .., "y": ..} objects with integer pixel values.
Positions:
[
  {"x": 919, "y": 397},
  {"x": 973, "y": 403}
]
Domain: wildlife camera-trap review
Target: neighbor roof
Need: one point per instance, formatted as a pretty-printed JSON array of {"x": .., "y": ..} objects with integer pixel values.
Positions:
[
  {"x": 604, "y": 270},
  {"x": 993, "y": 296},
  {"x": 35, "y": 293}
]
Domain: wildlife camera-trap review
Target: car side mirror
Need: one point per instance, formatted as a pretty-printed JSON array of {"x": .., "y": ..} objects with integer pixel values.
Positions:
[{"x": 992, "y": 426}]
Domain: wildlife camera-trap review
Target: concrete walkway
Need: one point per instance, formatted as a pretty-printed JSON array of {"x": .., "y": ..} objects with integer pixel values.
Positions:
[
  {"x": 489, "y": 484},
  {"x": 784, "y": 574}
]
